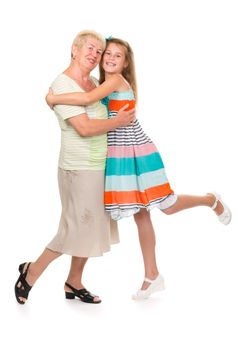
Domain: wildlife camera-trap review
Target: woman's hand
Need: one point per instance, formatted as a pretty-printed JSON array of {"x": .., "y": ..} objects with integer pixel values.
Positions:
[
  {"x": 48, "y": 98},
  {"x": 124, "y": 117}
]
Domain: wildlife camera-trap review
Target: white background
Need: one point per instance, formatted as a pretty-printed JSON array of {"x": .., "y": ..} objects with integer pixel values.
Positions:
[{"x": 186, "y": 59}]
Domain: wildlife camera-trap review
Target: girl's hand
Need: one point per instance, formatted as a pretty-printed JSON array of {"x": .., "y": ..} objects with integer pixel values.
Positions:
[{"x": 48, "y": 98}]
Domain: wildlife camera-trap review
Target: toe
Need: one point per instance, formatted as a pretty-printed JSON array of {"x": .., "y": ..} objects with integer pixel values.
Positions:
[{"x": 97, "y": 299}]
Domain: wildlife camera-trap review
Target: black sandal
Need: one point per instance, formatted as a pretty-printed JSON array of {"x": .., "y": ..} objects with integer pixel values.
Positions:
[
  {"x": 83, "y": 294},
  {"x": 23, "y": 290}
]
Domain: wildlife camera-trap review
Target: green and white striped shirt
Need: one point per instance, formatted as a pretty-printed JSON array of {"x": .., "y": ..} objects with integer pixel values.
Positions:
[{"x": 77, "y": 152}]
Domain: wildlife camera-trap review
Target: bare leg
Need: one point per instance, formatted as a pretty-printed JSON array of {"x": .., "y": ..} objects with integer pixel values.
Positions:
[
  {"x": 75, "y": 274},
  {"x": 147, "y": 243},
  {"x": 187, "y": 201},
  {"x": 36, "y": 268}
]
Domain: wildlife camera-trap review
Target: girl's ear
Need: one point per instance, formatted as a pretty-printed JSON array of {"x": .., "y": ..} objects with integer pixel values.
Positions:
[{"x": 125, "y": 64}]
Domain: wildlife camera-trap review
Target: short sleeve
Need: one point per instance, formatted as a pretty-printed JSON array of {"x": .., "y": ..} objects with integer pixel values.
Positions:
[{"x": 61, "y": 85}]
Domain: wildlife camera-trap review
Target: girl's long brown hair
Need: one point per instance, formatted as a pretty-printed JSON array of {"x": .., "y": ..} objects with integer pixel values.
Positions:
[{"x": 129, "y": 72}]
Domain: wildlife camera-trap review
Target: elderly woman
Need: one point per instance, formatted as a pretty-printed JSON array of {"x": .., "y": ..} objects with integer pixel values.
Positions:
[{"x": 85, "y": 229}]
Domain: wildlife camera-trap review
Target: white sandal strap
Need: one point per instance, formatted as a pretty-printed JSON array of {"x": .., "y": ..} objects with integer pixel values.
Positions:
[
  {"x": 148, "y": 280},
  {"x": 214, "y": 205},
  {"x": 217, "y": 198}
]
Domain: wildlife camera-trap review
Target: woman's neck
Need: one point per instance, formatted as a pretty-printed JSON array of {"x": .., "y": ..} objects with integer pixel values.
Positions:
[
  {"x": 81, "y": 76},
  {"x": 77, "y": 73}
]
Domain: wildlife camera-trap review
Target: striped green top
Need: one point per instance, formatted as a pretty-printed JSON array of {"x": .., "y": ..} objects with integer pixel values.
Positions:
[{"x": 77, "y": 152}]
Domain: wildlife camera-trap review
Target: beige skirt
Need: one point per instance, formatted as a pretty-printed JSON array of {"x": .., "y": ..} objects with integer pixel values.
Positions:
[{"x": 85, "y": 229}]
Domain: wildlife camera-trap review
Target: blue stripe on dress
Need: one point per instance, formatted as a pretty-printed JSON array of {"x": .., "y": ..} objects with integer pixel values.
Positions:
[
  {"x": 122, "y": 95},
  {"x": 134, "y": 166},
  {"x": 133, "y": 182}
]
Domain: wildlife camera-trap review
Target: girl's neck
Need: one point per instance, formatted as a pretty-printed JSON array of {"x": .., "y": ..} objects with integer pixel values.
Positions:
[{"x": 109, "y": 75}]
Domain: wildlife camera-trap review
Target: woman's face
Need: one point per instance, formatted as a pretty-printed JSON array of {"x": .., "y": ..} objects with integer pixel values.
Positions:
[
  {"x": 114, "y": 59},
  {"x": 89, "y": 54}
]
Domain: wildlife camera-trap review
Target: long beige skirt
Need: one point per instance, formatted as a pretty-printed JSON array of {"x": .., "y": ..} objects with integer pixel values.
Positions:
[{"x": 85, "y": 229}]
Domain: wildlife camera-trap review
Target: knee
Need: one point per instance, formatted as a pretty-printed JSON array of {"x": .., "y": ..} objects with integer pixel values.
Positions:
[
  {"x": 168, "y": 211},
  {"x": 168, "y": 206},
  {"x": 142, "y": 216}
]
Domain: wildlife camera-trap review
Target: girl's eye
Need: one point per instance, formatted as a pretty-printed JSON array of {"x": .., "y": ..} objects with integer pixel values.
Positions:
[{"x": 99, "y": 52}]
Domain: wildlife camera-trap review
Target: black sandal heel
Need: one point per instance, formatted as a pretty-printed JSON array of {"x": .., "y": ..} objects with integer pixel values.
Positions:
[
  {"x": 21, "y": 267},
  {"x": 69, "y": 295},
  {"x": 83, "y": 294},
  {"x": 23, "y": 290}
]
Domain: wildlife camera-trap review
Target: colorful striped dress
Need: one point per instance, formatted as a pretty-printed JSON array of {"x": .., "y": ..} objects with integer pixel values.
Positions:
[{"x": 135, "y": 174}]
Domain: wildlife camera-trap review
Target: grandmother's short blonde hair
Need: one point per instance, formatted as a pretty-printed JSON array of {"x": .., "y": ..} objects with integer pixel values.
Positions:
[{"x": 82, "y": 36}]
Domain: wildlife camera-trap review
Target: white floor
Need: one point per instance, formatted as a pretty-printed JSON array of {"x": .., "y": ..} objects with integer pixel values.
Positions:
[{"x": 198, "y": 309}]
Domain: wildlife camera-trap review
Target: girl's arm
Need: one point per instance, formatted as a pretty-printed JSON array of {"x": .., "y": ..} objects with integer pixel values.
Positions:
[
  {"x": 86, "y": 98},
  {"x": 87, "y": 127}
]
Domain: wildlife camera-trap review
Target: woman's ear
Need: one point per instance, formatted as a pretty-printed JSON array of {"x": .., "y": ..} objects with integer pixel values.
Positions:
[{"x": 74, "y": 51}]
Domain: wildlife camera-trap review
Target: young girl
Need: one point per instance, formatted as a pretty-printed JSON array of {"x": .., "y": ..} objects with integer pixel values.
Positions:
[{"x": 136, "y": 180}]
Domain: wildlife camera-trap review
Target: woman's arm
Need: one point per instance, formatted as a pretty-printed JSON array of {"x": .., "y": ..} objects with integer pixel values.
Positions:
[
  {"x": 87, "y": 127},
  {"x": 86, "y": 98}
]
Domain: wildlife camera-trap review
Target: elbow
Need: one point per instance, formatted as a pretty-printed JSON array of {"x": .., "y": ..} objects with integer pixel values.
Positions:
[
  {"x": 83, "y": 132},
  {"x": 81, "y": 125},
  {"x": 87, "y": 99}
]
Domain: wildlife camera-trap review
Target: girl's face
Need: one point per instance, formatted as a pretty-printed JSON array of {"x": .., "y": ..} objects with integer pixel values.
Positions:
[{"x": 114, "y": 59}]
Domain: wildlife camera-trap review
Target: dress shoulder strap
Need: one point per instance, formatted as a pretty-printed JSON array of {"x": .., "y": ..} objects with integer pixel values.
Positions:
[{"x": 125, "y": 80}]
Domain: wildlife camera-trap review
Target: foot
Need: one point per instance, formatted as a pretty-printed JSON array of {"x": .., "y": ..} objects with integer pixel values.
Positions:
[
  {"x": 146, "y": 282},
  {"x": 81, "y": 292},
  {"x": 22, "y": 286},
  {"x": 149, "y": 286},
  {"x": 221, "y": 209}
]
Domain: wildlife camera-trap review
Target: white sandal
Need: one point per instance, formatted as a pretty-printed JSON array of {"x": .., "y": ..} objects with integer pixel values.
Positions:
[
  {"x": 156, "y": 285},
  {"x": 225, "y": 216}
]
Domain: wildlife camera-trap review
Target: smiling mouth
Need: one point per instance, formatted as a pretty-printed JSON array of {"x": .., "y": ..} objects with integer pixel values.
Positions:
[
  {"x": 110, "y": 64},
  {"x": 92, "y": 61}
]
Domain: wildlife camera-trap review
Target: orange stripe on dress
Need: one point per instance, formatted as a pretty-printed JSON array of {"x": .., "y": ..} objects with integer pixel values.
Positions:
[
  {"x": 131, "y": 197},
  {"x": 115, "y": 105}
]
